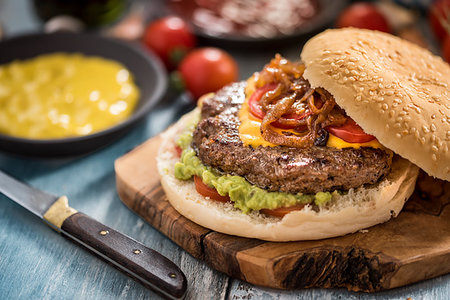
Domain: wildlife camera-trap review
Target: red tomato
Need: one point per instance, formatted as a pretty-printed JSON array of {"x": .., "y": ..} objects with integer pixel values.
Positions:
[
  {"x": 440, "y": 10},
  {"x": 170, "y": 38},
  {"x": 350, "y": 132},
  {"x": 282, "y": 211},
  {"x": 363, "y": 15},
  {"x": 206, "y": 70},
  {"x": 446, "y": 48},
  {"x": 207, "y": 191},
  {"x": 255, "y": 108}
]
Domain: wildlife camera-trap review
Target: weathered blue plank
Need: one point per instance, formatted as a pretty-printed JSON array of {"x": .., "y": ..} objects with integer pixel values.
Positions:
[{"x": 433, "y": 289}]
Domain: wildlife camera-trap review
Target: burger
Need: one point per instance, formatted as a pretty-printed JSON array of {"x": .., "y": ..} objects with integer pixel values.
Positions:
[{"x": 313, "y": 149}]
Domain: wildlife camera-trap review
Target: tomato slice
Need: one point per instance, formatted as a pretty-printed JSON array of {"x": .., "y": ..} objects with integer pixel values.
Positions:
[
  {"x": 178, "y": 150},
  {"x": 255, "y": 108},
  {"x": 253, "y": 101},
  {"x": 282, "y": 211},
  {"x": 207, "y": 191},
  {"x": 350, "y": 132}
]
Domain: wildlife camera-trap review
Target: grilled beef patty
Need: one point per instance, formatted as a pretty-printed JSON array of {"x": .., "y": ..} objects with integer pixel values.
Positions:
[{"x": 310, "y": 170}]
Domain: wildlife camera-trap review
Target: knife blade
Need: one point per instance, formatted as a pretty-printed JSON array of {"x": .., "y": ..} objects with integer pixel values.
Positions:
[{"x": 142, "y": 263}]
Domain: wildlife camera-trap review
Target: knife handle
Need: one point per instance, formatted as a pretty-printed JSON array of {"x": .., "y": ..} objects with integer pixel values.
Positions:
[{"x": 144, "y": 264}]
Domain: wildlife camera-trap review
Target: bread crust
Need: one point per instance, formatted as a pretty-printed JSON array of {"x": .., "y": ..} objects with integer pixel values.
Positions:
[
  {"x": 356, "y": 210},
  {"x": 395, "y": 90}
]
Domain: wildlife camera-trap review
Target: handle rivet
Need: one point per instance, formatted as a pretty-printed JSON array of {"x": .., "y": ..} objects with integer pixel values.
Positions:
[
  {"x": 137, "y": 251},
  {"x": 172, "y": 275},
  {"x": 104, "y": 232}
]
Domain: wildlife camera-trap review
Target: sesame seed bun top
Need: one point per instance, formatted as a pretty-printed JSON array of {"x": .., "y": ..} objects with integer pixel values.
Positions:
[{"x": 393, "y": 89}]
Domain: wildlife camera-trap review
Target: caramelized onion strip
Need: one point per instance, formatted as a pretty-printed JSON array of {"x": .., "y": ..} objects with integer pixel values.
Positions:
[
  {"x": 270, "y": 96},
  {"x": 269, "y": 134},
  {"x": 292, "y": 110}
]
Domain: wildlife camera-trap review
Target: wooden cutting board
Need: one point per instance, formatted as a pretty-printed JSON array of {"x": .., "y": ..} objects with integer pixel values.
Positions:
[{"x": 413, "y": 247}]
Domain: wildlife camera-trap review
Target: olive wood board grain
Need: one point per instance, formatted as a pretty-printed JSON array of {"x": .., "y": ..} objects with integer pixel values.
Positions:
[{"x": 410, "y": 248}]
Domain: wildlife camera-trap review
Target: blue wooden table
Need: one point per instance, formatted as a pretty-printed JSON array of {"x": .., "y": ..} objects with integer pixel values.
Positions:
[{"x": 37, "y": 263}]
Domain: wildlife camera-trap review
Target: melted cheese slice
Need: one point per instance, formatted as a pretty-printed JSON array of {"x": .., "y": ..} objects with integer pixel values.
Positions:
[
  {"x": 334, "y": 141},
  {"x": 250, "y": 133},
  {"x": 249, "y": 130}
]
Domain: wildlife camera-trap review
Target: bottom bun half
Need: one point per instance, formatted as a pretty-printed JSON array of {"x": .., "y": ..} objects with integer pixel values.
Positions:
[{"x": 357, "y": 209}]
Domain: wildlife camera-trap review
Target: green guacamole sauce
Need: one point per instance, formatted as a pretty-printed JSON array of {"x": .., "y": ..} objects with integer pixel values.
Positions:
[{"x": 245, "y": 196}]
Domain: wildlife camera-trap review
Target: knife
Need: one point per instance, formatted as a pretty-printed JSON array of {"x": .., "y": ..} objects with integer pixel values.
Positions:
[{"x": 144, "y": 264}]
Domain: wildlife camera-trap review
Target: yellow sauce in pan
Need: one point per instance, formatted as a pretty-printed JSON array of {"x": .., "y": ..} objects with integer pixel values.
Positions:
[{"x": 63, "y": 95}]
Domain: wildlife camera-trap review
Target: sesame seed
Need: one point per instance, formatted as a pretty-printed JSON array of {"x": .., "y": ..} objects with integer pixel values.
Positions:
[
  {"x": 434, "y": 148},
  {"x": 385, "y": 106},
  {"x": 417, "y": 109},
  {"x": 433, "y": 116},
  {"x": 423, "y": 140},
  {"x": 425, "y": 129},
  {"x": 398, "y": 135},
  {"x": 433, "y": 127},
  {"x": 434, "y": 157}
]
